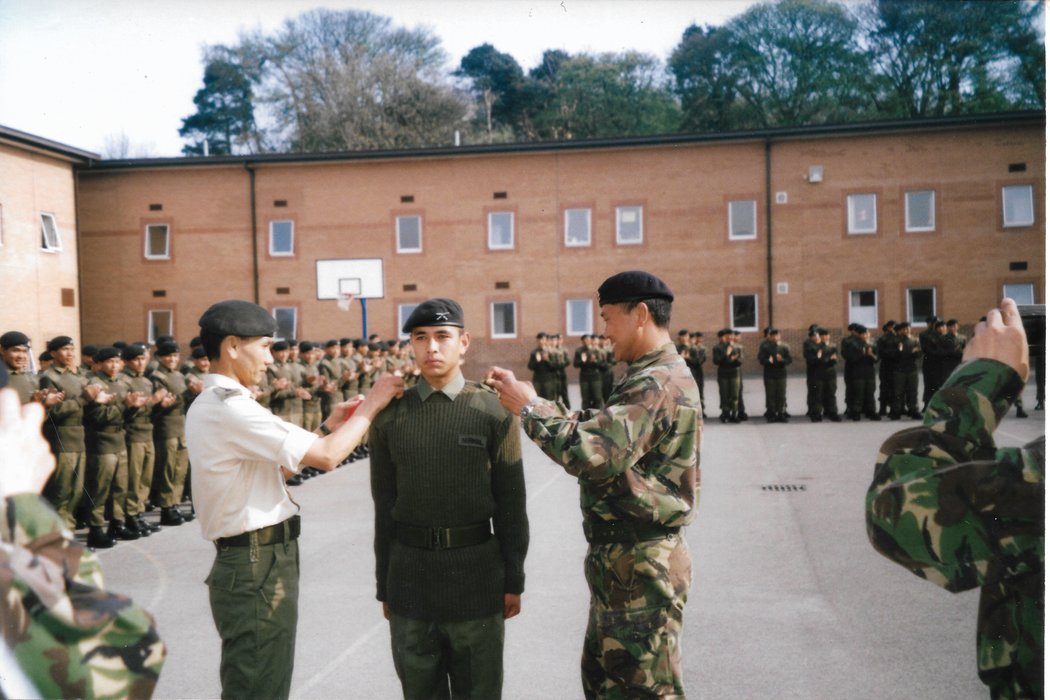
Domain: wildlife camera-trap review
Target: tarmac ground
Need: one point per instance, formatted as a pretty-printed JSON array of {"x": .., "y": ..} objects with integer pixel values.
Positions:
[{"x": 789, "y": 600}]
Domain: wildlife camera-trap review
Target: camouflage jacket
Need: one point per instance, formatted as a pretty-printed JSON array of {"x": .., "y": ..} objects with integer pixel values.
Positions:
[
  {"x": 638, "y": 457},
  {"x": 71, "y": 638},
  {"x": 954, "y": 509}
]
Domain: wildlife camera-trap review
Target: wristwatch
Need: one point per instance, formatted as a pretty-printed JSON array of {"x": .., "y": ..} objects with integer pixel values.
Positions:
[{"x": 527, "y": 408}]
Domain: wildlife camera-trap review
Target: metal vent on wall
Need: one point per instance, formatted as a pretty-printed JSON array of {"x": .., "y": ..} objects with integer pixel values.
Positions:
[{"x": 784, "y": 487}]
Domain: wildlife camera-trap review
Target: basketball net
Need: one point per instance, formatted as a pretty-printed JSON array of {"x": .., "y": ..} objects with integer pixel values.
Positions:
[{"x": 344, "y": 301}]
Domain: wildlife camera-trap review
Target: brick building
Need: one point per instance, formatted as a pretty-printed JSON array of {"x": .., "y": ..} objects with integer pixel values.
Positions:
[
  {"x": 38, "y": 237},
  {"x": 833, "y": 224}
]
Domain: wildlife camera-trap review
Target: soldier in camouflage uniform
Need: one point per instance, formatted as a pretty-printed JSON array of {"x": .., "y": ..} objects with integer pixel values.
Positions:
[
  {"x": 952, "y": 508},
  {"x": 67, "y": 636},
  {"x": 637, "y": 461}
]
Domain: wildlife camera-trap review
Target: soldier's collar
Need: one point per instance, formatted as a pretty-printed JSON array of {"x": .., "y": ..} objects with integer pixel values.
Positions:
[{"x": 451, "y": 390}]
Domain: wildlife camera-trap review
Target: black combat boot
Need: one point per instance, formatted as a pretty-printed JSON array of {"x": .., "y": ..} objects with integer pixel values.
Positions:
[{"x": 98, "y": 539}]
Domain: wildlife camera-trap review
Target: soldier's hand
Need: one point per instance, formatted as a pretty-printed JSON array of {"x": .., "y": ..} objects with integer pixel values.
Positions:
[
  {"x": 1001, "y": 337},
  {"x": 91, "y": 391},
  {"x": 104, "y": 397},
  {"x": 26, "y": 461},
  {"x": 303, "y": 394},
  {"x": 513, "y": 393},
  {"x": 511, "y": 605},
  {"x": 386, "y": 610}
]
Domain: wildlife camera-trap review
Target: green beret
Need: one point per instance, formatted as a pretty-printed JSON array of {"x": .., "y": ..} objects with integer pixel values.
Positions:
[
  {"x": 240, "y": 318},
  {"x": 12, "y": 339},
  {"x": 633, "y": 285},
  {"x": 435, "y": 312}
]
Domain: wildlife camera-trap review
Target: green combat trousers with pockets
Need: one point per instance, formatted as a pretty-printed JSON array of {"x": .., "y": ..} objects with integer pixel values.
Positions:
[{"x": 254, "y": 596}]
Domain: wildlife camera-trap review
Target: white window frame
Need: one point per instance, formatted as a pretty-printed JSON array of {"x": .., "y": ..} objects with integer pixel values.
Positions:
[
  {"x": 911, "y": 317},
  {"x": 871, "y": 320},
  {"x": 570, "y": 317},
  {"x": 166, "y": 255},
  {"x": 1031, "y": 292},
  {"x": 295, "y": 320},
  {"x": 403, "y": 312},
  {"x": 54, "y": 246},
  {"x": 754, "y": 220},
  {"x": 852, "y": 203},
  {"x": 569, "y": 243},
  {"x": 501, "y": 246},
  {"x": 732, "y": 321},
  {"x": 640, "y": 213},
  {"x": 151, "y": 336},
  {"x": 419, "y": 232},
  {"x": 514, "y": 318},
  {"x": 907, "y": 211},
  {"x": 291, "y": 242},
  {"x": 1020, "y": 223}
]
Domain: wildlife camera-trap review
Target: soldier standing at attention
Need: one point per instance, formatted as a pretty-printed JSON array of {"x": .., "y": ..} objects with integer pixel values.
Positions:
[
  {"x": 451, "y": 532},
  {"x": 775, "y": 356},
  {"x": 543, "y": 372},
  {"x": 951, "y": 507},
  {"x": 169, "y": 434},
  {"x": 884, "y": 348},
  {"x": 728, "y": 360},
  {"x": 637, "y": 460},
  {"x": 860, "y": 356},
  {"x": 587, "y": 360},
  {"x": 138, "y": 431},
  {"x": 905, "y": 356},
  {"x": 241, "y": 454},
  {"x": 741, "y": 412},
  {"x": 697, "y": 358},
  {"x": 956, "y": 344},
  {"x": 828, "y": 376},
  {"x": 931, "y": 360}
]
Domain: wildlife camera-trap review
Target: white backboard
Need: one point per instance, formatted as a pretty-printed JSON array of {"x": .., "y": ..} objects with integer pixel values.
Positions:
[{"x": 362, "y": 277}]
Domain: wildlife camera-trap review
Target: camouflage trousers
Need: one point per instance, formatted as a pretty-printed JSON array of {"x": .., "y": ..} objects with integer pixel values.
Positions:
[{"x": 632, "y": 648}]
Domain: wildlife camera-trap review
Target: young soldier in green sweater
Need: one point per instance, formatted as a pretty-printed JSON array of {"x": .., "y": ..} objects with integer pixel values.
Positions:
[{"x": 451, "y": 531}]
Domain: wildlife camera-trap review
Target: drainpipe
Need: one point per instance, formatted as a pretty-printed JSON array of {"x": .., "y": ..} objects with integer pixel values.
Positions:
[
  {"x": 769, "y": 232},
  {"x": 255, "y": 237}
]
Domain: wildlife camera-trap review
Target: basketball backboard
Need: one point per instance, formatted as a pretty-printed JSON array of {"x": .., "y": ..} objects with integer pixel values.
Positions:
[{"x": 362, "y": 277}]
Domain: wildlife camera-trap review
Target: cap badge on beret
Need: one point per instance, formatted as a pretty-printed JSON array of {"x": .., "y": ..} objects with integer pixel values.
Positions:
[{"x": 435, "y": 312}]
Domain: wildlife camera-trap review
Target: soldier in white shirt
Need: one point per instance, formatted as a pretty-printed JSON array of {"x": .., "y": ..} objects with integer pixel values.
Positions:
[{"x": 241, "y": 454}]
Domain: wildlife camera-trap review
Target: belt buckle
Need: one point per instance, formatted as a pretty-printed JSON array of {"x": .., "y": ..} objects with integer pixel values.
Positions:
[{"x": 434, "y": 538}]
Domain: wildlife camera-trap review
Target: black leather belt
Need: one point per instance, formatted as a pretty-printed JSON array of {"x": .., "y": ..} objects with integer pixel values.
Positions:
[
  {"x": 285, "y": 531},
  {"x": 625, "y": 532},
  {"x": 442, "y": 537}
]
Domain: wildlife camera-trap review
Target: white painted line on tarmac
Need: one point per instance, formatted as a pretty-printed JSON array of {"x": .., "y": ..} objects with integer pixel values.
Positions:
[
  {"x": 339, "y": 661},
  {"x": 535, "y": 494},
  {"x": 162, "y": 577}
]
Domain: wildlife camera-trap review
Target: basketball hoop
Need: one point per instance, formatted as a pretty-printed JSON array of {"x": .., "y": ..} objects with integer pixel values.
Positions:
[{"x": 345, "y": 300}]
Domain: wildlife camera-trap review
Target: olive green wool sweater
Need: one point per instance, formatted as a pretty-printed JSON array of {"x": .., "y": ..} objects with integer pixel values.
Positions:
[{"x": 448, "y": 463}]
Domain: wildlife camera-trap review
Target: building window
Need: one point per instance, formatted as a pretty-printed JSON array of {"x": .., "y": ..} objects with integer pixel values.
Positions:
[
  {"x": 579, "y": 317},
  {"x": 403, "y": 312},
  {"x": 922, "y": 303},
  {"x": 287, "y": 318},
  {"x": 282, "y": 238},
  {"x": 501, "y": 230},
  {"x": 1018, "y": 209},
  {"x": 1023, "y": 293},
  {"x": 158, "y": 243},
  {"x": 743, "y": 311},
  {"x": 861, "y": 212},
  {"x": 161, "y": 322},
  {"x": 864, "y": 307},
  {"x": 504, "y": 319},
  {"x": 409, "y": 234},
  {"x": 743, "y": 216},
  {"x": 577, "y": 228},
  {"x": 919, "y": 211},
  {"x": 628, "y": 225},
  {"x": 49, "y": 236}
]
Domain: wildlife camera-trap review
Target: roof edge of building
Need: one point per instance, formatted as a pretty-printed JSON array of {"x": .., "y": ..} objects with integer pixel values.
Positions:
[{"x": 39, "y": 144}]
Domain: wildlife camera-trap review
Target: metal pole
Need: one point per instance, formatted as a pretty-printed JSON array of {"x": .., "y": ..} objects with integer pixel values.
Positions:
[{"x": 364, "y": 318}]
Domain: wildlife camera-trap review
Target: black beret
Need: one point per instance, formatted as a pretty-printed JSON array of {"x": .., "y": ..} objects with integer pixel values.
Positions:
[
  {"x": 106, "y": 353},
  {"x": 823, "y": 331},
  {"x": 198, "y": 353},
  {"x": 901, "y": 326},
  {"x": 197, "y": 342},
  {"x": 132, "y": 351},
  {"x": 306, "y": 346},
  {"x": 345, "y": 341},
  {"x": 633, "y": 285},
  {"x": 434, "y": 312},
  {"x": 13, "y": 339},
  {"x": 58, "y": 342},
  {"x": 722, "y": 332},
  {"x": 279, "y": 345},
  {"x": 45, "y": 356},
  {"x": 331, "y": 343},
  {"x": 541, "y": 335},
  {"x": 860, "y": 328},
  {"x": 889, "y": 325},
  {"x": 684, "y": 331},
  {"x": 119, "y": 344},
  {"x": 240, "y": 318},
  {"x": 359, "y": 343},
  {"x": 772, "y": 331},
  {"x": 938, "y": 323},
  {"x": 373, "y": 346},
  {"x": 168, "y": 347},
  {"x": 89, "y": 350},
  {"x": 164, "y": 339}
]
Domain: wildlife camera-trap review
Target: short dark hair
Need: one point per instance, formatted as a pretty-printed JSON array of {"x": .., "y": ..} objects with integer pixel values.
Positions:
[
  {"x": 211, "y": 342},
  {"x": 659, "y": 310}
]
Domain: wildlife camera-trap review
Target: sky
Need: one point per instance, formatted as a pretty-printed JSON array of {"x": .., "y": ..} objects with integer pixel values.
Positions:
[{"x": 84, "y": 72}]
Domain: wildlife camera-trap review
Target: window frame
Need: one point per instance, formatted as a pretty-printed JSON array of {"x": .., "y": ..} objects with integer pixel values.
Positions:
[
  {"x": 397, "y": 234},
  {"x": 295, "y": 320},
  {"x": 569, "y": 330},
  {"x": 909, "y": 313},
  {"x": 851, "y": 209},
  {"x": 620, "y": 210},
  {"x": 1031, "y": 205},
  {"x": 754, "y": 219},
  {"x": 269, "y": 243},
  {"x": 491, "y": 214},
  {"x": 590, "y": 228},
  {"x": 45, "y": 245},
  {"x": 166, "y": 255},
  {"x": 150, "y": 325},
  {"x": 870, "y": 323},
  {"x": 732, "y": 321},
  {"x": 492, "y": 319},
  {"x": 402, "y": 316},
  {"x": 1031, "y": 288},
  {"x": 908, "y": 227}
]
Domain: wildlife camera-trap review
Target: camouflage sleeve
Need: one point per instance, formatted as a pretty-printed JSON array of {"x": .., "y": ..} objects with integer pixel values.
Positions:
[
  {"x": 598, "y": 444},
  {"x": 949, "y": 506}
]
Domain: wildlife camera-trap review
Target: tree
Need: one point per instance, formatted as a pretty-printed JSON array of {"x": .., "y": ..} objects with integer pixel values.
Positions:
[
  {"x": 497, "y": 82},
  {"x": 225, "y": 117},
  {"x": 705, "y": 80}
]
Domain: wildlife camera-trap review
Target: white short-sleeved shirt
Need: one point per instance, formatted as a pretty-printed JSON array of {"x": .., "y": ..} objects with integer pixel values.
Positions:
[{"x": 236, "y": 448}]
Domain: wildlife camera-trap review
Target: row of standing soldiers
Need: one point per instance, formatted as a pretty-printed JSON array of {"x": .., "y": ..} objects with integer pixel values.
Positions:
[
  {"x": 593, "y": 358},
  {"x": 116, "y": 417}
]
